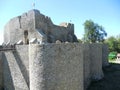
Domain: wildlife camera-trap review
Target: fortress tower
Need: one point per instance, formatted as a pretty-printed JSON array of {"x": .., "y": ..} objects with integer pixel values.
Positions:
[{"x": 36, "y": 25}]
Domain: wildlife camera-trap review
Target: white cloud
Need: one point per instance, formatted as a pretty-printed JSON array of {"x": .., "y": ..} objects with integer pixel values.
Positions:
[{"x": 1, "y": 37}]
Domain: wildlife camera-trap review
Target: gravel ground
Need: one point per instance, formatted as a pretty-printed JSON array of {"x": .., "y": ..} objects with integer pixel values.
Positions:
[{"x": 111, "y": 80}]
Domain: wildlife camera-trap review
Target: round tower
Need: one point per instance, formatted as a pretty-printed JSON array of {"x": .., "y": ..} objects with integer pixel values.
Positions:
[{"x": 36, "y": 67}]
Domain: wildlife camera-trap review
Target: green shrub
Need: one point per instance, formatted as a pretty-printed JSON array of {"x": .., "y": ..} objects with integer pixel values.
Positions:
[{"x": 112, "y": 55}]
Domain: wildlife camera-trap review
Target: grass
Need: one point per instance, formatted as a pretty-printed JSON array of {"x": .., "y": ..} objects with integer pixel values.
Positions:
[{"x": 114, "y": 61}]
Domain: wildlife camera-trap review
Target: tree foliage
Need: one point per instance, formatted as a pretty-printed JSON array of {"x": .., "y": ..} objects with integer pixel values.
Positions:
[
  {"x": 113, "y": 43},
  {"x": 93, "y": 32}
]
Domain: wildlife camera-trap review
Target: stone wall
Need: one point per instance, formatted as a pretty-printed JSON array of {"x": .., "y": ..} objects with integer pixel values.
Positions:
[
  {"x": 87, "y": 65},
  {"x": 16, "y": 66},
  {"x": 63, "y": 32},
  {"x": 96, "y": 61},
  {"x": 56, "y": 67},
  {"x": 105, "y": 52},
  {"x": 58, "y": 62},
  {"x": 22, "y": 56},
  {"x": 64, "y": 66},
  {"x": 38, "y": 26},
  {"x": 93, "y": 63},
  {"x": 14, "y": 29},
  {"x": 1, "y": 71}
]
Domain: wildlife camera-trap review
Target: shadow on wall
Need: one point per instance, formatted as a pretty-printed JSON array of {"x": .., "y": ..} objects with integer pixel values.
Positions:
[
  {"x": 15, "y": 73},
  {"x": 1, "y": 72},
  {"x": 7, "y": 75},
  {"x": 22, "y": 67}
]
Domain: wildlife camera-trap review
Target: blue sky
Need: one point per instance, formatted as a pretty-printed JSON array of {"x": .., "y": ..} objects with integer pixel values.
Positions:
[{"x": 103, "y": 12}]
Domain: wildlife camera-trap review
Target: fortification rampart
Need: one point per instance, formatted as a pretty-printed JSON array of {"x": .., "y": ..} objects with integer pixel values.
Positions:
[
  {"x": 64, "y": 66},
  {"x": 15, "y": 68},
  {"x": 1, "y": 71},
  {"x": 56, "y": 67}
]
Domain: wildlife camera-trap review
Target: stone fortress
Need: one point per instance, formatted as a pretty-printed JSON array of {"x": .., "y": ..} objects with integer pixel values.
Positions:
[
  {"x": 38, "y": 55},
  {"x": 35, "y": 25}
]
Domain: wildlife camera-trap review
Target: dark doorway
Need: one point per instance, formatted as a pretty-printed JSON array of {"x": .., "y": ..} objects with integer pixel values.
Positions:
[{"x": 26, "y": 40}]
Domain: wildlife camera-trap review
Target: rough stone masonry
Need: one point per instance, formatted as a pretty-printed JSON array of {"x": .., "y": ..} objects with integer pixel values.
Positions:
[
  {"x": 36, "y": 25},
  {"x": 38, "y": 63}
]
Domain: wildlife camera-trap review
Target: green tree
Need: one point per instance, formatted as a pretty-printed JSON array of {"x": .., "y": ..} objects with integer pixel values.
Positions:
[
  {"x": 118, "y": 50},
  {"x": 112, "y": 43},
  {"x": 118, "y": 41},
  {"x": 93, "y": 32}
]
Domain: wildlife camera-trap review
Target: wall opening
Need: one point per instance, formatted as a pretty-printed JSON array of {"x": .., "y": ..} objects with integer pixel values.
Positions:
[{"x": 26, "y": 40}]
